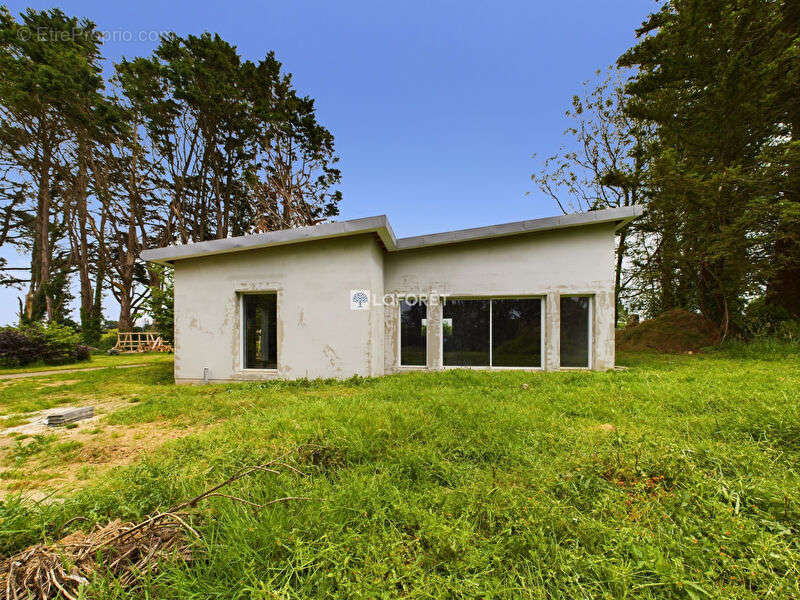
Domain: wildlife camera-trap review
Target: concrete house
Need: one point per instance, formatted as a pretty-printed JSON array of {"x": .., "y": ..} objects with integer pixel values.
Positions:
[{"x": 349, "y": 298}]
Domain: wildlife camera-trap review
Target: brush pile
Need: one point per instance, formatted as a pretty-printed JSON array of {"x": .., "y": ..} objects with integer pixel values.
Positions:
[
  {"x": 676, "y": 331},
  {"x": 122, "y": 551}
]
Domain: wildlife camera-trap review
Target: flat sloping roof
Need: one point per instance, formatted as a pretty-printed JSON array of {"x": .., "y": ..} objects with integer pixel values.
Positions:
[{"x": 380, "y": 226}]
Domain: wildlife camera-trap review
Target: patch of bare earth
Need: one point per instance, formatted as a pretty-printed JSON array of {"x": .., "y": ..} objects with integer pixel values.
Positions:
[
  {"x": 121, "y": 443},
  {"x": 101, "y": 448},
  {"x": 605, "y": 427},
  {"x": 61, "y": 383}
]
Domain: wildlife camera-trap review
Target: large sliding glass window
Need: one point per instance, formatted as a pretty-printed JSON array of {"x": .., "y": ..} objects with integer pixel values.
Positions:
[
  {"x": 413, "y": 334},
  {"x": 465, "y": 333},
  {"x": 260, "y": 331},
  {"x": 517, "y": 333},
  {"x": 496, "y": 333},
  {"x": 575, "y": 331}
]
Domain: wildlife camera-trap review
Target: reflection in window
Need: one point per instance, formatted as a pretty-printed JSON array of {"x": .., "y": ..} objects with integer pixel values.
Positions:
[
  {"x": 574, "y": 331},
  {"x": 260, "y": 330},
  {"x": 413, "y": 333},
  {"x": 465, "y": 331},
  {"x": 517, "y": 333}
]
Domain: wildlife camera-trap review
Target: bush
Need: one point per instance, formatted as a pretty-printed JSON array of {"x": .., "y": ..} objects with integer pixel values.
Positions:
[
  {"x": 16, "y": 348},
  {"x": 59, "y": 343},
  {"x": 108, "y": 340},
  {"x": 766, "y": 320},
  {"x": 52, "y": 344},
  {"x": 82, "y": 353}
]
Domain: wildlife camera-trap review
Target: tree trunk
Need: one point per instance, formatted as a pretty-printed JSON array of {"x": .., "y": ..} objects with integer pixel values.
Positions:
[
  {"x": 43, "y": 235},
  {"x": 618, "y": 275},
  {"x": 89, "y": 310},
  {"x": 30, "y": 311},
  {"x": 125, "y": 322},
  {"x": 129, "y": 261},
  {"x": 98, "y": 290}
]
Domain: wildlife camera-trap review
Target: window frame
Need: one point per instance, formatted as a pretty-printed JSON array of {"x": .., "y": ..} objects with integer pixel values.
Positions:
[
  {"x": 441, "y": 336},
  {"x": 243, "y": 331},
  {"x": 399, "y": 313},
  {"x": 542, "y": 332},
  {"x": 542, "y": 298},
  {"x": 590, "y": 332}
]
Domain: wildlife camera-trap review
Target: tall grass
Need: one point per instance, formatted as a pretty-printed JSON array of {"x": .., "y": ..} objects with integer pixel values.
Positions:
[{"x": 679, "y": 477}]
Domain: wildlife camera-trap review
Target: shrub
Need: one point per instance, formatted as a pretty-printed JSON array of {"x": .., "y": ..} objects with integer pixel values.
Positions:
[
  {"x": 52, "y": 344},
  {"x": 82, "y": 353},
  {"x": 108, "y": 340},
  {"x": 59, "y": 343},
  {"x": 765, "y": 320},
  {"x": 16, "y": 348}
]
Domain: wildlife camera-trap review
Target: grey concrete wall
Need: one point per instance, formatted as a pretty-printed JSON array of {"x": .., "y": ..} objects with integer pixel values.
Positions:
[
  {"x": 571, "y": 261},
  {"x": 318, "y": 334}
]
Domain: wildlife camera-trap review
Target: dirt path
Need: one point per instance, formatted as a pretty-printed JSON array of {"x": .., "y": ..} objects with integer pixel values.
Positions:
[{"x": 59, "y": 371}]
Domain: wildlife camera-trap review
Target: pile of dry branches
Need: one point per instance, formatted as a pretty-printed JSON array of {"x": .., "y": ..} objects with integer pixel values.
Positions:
[
  {"x": 120, "y": 550},
  {"x": 124, "y": 549}
]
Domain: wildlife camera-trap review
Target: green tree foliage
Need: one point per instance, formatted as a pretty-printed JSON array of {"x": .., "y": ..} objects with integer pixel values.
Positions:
[
  {"x": 718, "y": 82},
  {"x": 160, "y": 304},
  {"x": 782, "y": 157},
  {"x": 705, "y": 133},
  {"x": 219, "y": 146},
  {"x": 190, "y": 144},
  {"x": 50, "y": 67},
  {"x": 235, "y": 149}
]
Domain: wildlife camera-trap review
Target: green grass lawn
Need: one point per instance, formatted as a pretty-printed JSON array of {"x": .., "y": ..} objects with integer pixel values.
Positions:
[
  {"x": 96, "y": 360},
  {"x": 677, "y": 478},
  {"x": 24, "y": 395}
]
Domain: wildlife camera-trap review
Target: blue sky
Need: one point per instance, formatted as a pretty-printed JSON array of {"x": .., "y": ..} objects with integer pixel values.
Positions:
[{"x": 436, "y": 107}]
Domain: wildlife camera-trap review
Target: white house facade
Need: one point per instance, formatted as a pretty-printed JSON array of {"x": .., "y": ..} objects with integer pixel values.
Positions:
[{"x": 349, "y": 298}]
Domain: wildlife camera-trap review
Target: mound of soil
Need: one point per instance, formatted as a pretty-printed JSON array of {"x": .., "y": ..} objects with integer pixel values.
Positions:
[{"x": 674, "y": 331}]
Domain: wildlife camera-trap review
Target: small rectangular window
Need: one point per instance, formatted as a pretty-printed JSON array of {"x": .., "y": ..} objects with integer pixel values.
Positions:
[
  {"x": 574, "y": 331},
  {"x": 517, "y": 333},
  {"x": 260, "y": 331},
  {"x": 413, "y": 334},
  {"x": 465, "y": 333}
]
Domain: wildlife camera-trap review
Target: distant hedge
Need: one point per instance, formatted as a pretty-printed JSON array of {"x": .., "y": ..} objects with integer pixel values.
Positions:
[{"x": 52, "y": 344}]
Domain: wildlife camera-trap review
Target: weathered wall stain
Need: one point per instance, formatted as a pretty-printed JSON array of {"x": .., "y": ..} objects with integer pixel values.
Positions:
[{"x": 331, "y": 355}]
